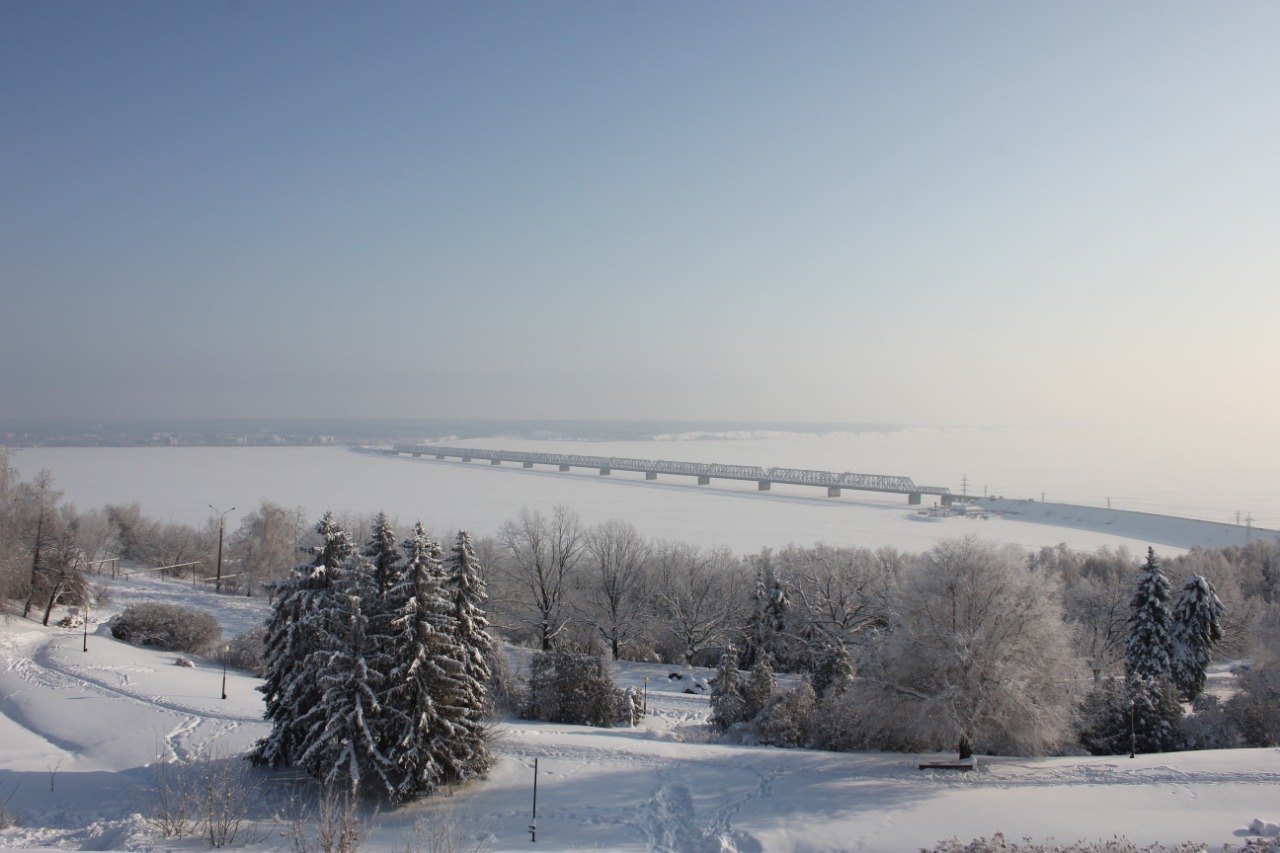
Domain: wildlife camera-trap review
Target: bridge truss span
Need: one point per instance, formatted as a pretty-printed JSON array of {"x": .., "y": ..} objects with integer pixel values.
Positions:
[{"x": 704, "y": 472}]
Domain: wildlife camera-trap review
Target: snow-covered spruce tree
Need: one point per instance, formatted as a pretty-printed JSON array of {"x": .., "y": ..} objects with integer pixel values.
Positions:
[
  {"x": 787, "y": 719},
  {"x": 565, "y": 687},
  {"x": 1157, "y": 714},
  {"x": 1196, "y": 629},
  {"x": 465, "y": 594},
  {"x": 289, "y": 686},
  {"x": 727, "y": 704},
  {"x": 832, "y": 670},
  {"x": 383, "y": 552},
  {"x": 767, "y": 630},
  {"x": 1146, "y": 653},
  {"x": 422, "y": 696},
  {"x": 343, "y": 740},
  {"x": 757, "y": 688}
]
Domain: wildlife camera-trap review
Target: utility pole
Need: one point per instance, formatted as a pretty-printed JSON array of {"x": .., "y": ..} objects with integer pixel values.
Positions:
[{"x": 222, "y": 516}]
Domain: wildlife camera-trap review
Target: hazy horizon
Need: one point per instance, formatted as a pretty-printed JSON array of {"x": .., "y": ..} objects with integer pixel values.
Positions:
[{"x": 979, "y": 213}]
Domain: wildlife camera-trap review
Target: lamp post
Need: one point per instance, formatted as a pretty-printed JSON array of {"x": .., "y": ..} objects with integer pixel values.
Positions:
[
  {"x": 86, "y": 627},
  {"x": 1133, "y": 735},
  {"x": 225, "y": 651},
  {"x": 222, "y": 516}
]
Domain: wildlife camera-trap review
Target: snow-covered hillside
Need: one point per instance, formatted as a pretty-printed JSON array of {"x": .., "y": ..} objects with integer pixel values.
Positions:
[{"x": 82, "y": 731}]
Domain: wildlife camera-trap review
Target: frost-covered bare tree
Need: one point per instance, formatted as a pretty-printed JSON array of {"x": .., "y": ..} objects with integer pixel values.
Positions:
[
  {"x": 542, "y": 555},
  {"x": 43, "y": 525},
  {"x": 1096, "y": 604},
  {"x": 133, "y": 530},
  {"x": 265, "y": 545},
  {"x": 615, "y": 582},
  {"x": 977, "y": 655},
  {"x": 837, "y": 593},
  {"x": 62, "y": 578},
  {"x": 700, "y": 596},
  {"x": 10, "y": 531}
]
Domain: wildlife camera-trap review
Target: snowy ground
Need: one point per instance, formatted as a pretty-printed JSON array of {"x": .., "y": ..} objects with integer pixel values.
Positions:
[{"x": 80, "y": 730}]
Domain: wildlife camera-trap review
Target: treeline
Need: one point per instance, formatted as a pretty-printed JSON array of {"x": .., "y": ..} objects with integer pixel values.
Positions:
[{"x": 604, "y": 589}]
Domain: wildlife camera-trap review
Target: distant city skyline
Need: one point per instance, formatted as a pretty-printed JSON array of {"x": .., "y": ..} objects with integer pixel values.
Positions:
[{"x": 910, "y": 213}]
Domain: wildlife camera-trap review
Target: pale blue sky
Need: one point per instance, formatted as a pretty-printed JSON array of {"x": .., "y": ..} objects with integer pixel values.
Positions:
[{"x": 896, "y": 212}]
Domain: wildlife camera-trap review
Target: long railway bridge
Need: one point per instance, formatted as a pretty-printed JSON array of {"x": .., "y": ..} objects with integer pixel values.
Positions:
[{"x": 704, "y": 472}]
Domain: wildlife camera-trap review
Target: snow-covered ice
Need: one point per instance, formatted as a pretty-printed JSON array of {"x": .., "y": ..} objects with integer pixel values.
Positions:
[{"x": 1066, "y": 467}]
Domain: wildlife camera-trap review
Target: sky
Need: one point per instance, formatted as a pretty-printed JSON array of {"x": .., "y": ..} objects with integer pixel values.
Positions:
[{"x": 916, "y": 212}]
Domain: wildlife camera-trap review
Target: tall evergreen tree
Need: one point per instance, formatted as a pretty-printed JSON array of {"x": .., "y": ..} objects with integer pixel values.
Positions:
[
  {"x": 758, "y": 687},
  {"x": 383, "y": 552},
  {"x": 429, "y": 738},
  {"x": 832, "y": 670},
  {"x": 343, "y": 730},
  {"x": 767, "y": 629},
  {"x": 727, "y": 704},
  {"x": 1146, "y": 653},
  {"x": 466, "y": 592},
  {"x": 1197, "y": 627},
  {"x": 289, "y": 686}
]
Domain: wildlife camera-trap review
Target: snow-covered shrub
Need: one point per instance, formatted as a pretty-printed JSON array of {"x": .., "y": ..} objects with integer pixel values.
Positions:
[
  {"x": 446, "y": 832},
  {"x": 71, "y": 620},
  {"x": 8, "y": 818},
  {"x": 244, "y": 651},
  {"x": 1255, "y": 708},
  {"x": 172, "y": 627},
  {"x": 630, "y": 707},
  {"x": 832, "y": 670},
  {"x": 505, "y": 690},
  {"x": 836, "y": 723},
  {"x": 565, "y": 687},
  {"x": 786, "y": 719},
  {"x": 1208, "y": 726}
]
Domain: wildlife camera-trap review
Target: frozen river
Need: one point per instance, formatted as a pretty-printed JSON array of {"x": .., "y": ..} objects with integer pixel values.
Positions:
[{"x": 1217, "y": 478}]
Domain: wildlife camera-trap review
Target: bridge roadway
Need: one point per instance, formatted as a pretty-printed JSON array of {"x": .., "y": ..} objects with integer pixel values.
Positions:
[{"x": 763, "y": 477}]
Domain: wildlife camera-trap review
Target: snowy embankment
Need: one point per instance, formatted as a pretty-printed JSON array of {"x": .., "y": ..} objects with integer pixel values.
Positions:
[
  {"x": 1162, "y": 529},
  {"x": 81, "y": 731}
]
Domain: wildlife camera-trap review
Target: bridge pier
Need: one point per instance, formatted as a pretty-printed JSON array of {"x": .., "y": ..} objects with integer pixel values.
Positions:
[
  {"x": 528, "y": 464},
  {"x": 495, "y": 461},
  {"x": 946, "y": 500},
  {"x": 604, "y": 472},
  {"x": 763, "y": 486},
  {"x": 564, "y": 467},
  {"x": 833, "y": 491},
  {"x": 913, "y": 499},
  {"x": 440, "y": 456},
  {"x": 466, "y": 459},
  {"x": 704, "y": 480},
  {"x": 651, "y": 475}
]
